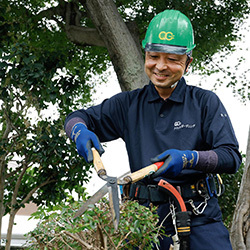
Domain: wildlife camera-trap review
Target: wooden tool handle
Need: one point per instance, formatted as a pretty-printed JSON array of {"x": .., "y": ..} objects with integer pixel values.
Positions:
[
  {"x": 99, "y": 167},
  {"x": 140, "y": 174}
]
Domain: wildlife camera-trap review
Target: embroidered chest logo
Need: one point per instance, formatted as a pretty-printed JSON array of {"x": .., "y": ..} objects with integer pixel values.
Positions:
[{"x": 180, "y": 125}]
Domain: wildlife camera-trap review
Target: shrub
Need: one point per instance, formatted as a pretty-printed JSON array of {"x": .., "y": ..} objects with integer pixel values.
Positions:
[{"x": 94, "y": 229}]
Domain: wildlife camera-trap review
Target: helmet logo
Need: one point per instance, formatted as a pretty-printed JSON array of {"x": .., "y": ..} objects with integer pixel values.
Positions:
[{"x": 166, "y": 36}]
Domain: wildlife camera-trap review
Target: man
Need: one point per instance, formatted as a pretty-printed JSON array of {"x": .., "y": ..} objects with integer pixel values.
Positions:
[{"x": 167, "y": 120}]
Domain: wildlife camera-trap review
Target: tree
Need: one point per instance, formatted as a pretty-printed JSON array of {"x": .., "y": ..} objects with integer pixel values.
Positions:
[
  {"x": 36, "y": 162},
  {"x": 41, "y": 39},
  {"x": 240, "y": 230}
]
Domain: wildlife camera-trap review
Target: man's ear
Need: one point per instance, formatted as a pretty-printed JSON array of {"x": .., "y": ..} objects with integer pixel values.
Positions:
[{"x": 189, "y": 60}]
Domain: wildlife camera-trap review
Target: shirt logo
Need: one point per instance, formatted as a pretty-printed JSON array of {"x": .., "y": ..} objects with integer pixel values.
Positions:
[
  {"x": 180, "y": 125},
  {"x": 166, "y": 36}
]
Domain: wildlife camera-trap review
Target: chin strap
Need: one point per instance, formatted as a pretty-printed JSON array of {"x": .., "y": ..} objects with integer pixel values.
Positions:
[{"x": 174, "y": 85}]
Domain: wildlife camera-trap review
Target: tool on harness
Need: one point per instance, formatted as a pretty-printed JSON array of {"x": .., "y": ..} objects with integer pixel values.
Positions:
[
  {"x": 200, "y": 191},
  {"x": 181, "y": 218},
  {"x": 207, "y": 188},
  {"x": 175, "y": 238}
]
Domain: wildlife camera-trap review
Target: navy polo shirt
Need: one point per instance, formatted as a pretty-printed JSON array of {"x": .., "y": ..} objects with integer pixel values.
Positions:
[{"x": 190, "y": 119}]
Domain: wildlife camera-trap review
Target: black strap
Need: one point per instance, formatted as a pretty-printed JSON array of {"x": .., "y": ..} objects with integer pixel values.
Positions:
[
  {"x": 142, "y": 193},
  {"x": 183, "y": 223},
  {"x": 197, "y": 191}
]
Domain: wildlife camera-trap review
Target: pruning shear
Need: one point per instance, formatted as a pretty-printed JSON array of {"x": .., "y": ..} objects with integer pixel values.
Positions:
[{"x": 111, "y": 186}]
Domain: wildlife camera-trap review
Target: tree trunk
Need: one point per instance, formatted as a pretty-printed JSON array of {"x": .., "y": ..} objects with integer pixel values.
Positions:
[
  {"x": 10, "y": 228},
  {"x": 124, "y": 52},
  {"x": 1, "y": 197},
  {"x": 3, "y": 166},
  {"x": 240, "y": 230}
]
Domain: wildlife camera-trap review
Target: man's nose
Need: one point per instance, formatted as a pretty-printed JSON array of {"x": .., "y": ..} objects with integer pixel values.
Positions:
[{"x": 161, "y": 65}]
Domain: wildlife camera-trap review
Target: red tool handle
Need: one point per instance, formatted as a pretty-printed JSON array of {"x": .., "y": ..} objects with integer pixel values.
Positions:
[
  {"x": 167, "y": 187},
  {"x": 140, "y": 174}
]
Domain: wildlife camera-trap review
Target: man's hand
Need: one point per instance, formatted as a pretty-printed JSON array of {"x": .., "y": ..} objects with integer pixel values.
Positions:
[
  {"x": 85, "y": 140},
  {"x": 174, "y": 161}
]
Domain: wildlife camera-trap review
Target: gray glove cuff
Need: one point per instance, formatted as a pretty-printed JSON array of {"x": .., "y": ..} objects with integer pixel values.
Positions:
[
  {"x": 71, "y": 123},
  {"x": 207, "y": 161}
]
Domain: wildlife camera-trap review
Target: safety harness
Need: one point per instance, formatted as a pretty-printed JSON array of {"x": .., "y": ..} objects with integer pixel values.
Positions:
[{"x": 164, "y": 192}]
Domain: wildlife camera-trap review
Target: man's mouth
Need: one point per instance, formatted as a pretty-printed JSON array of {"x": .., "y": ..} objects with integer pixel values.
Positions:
[{"x": 160, "y": 75}]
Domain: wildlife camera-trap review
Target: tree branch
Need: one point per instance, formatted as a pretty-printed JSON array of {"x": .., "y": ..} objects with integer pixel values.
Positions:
[
  {"x": 83, "y": 243},
  {"x": 53, "y": 11},
  {"x": 75, "y": 32},
  {"x": 84, "y": 36},
  {"x": 26, "y": 199},
  {"x": 18, "y": 183}
]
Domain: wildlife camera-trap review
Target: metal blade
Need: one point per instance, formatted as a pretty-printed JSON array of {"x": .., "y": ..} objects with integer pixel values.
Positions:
[
  {"x": 92, "y": 200},
  {"x": 114, "y": 200}
]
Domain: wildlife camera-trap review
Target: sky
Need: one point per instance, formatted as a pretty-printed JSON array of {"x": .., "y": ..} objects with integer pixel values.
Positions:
[{"x": 115, "y": 157}]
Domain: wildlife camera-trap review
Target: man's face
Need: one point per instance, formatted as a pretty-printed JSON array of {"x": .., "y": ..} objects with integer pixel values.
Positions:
[{"x": 164, "y": 69}]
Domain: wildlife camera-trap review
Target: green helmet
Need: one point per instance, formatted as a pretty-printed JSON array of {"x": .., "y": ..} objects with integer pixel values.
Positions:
[{"x": 170, "y": 32}]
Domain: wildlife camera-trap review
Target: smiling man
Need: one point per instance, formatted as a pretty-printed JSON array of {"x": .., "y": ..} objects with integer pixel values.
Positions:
[
  {"x": 165, "y": 70},
  {"x": 167, "y": 120}
]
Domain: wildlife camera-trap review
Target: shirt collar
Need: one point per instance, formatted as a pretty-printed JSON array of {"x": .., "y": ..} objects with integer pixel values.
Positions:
[
  {"x": 153, "y": 94},
  {"x": 176, "y": 96},
  {"x": 179, "y": 92}
]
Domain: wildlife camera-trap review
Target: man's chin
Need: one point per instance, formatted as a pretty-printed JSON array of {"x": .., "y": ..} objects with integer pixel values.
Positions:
[{"x": 162, "y": 85}]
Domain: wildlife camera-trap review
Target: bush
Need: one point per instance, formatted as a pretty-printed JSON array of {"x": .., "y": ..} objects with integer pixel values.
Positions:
[{"x": 94, "y": 229}]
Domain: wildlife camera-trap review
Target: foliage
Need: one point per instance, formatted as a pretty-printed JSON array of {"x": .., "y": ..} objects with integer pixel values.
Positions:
[
  {"x": 94, "y": 229},
  {"x": 37, "y": 162},
  {"x": 228, "y": 200},
  {"x": 34, "y": 147}
]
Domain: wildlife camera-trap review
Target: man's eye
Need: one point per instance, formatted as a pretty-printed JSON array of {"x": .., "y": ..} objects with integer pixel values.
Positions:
[{"x": 172, "y": 59}]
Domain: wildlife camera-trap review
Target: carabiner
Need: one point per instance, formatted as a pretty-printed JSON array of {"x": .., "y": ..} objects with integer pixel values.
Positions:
[{"x": 221, "y": 186}]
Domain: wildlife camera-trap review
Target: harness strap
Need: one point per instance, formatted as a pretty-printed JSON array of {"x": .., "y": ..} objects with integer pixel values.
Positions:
[{"x": 197, "y": 192}]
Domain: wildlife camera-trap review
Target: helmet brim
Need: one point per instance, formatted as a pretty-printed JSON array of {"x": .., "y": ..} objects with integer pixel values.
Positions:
[{"x": 165, "y": 48}]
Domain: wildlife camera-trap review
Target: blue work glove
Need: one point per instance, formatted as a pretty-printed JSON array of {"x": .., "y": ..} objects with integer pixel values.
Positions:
[
  {"x": 174, "y": 161},
  {"x": 85, "y": 140}
]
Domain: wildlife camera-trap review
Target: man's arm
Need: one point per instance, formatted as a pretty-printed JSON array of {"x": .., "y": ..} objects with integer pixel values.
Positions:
[{"x": 218, "y": 134}]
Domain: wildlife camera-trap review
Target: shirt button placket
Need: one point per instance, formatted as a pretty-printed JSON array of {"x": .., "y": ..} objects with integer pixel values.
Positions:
[
  {"x": 162, "y": 117},
  {"x": 162, "y": 110}
]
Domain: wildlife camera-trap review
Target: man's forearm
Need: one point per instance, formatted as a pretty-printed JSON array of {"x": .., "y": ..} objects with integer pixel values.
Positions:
[{"x": 220, "y": 160}]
